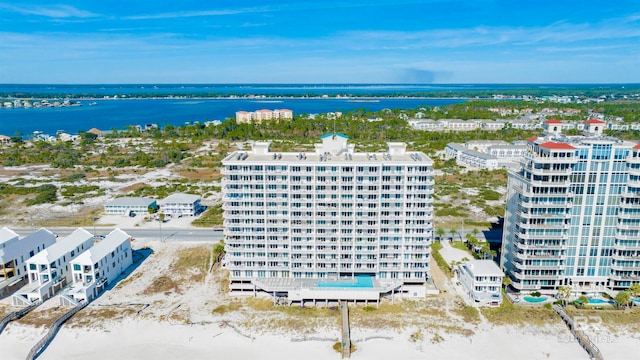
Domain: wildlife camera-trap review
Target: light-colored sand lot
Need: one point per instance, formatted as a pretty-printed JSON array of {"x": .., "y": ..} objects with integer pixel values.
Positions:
[{"x": 171, "y": 306}]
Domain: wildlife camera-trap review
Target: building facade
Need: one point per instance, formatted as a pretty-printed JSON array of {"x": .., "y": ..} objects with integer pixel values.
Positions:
[
  {"x": 128, "y": 205},
  {"x": 99, "y": 266},
  {"x": 15, "y": 251},
  {"x": 482, "y": 281},
  {"x": 258, "y": 116},
  {"x": 573, "y": 214},
  {"x": 328, "y": 214},
  {"x": 177, "y": 205},
  {"x": 49, "y": 270}
]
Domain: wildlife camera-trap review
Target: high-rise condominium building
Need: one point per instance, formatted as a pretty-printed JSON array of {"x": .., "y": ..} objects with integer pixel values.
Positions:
[
  {"x": 325, "y": 215},
  {"x": 573, "y": 213}
]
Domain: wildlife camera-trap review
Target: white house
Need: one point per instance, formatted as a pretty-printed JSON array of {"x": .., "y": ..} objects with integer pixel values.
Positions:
[
  {"x": 478, "y": 159},
  {"x": 99, "y": 266},
  {"x": 482, "y": 281},
  {"x": 49, "y": 270},
  {"x": 454, "y": 150},
  {"x": 14, "y": 252},
  {"x": 426, "y": 125},
  {"x": 182, "y": 205},
  {"x": 127, "y": 205}
]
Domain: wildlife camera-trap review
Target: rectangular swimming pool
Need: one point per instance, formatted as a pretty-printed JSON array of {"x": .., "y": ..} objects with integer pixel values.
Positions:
[{"x": 360, "y": 282}]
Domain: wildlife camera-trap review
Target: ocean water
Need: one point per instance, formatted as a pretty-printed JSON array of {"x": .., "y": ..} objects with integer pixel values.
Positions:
[{"x": 118, "y": 114}]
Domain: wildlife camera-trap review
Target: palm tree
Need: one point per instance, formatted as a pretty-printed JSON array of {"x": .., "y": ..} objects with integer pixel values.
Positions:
[
  {"x": 564, "y": 292},
  {"x": 623, "y": 298},
  {"x": 440, "y": 232},
  {"x": 634, "y": 290},
  {"x": 452, "y": 232}
]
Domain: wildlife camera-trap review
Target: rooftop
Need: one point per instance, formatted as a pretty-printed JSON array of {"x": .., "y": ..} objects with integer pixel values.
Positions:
[
  {"x": 484, "y": 268},
  {"x": 103, "y": 248},
  {"x": 557, "y": 145},
  {"x": 6, "y": 236},
  {"x": 62, "y": 247}
]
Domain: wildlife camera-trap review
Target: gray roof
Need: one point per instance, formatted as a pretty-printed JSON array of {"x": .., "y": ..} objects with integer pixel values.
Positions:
[
  {"x": 103, "y": 248},
  {"x": 180, "y": 198},
  {"x": 457, "y": 146},
  {"x": 60, "y": 248},
  {"x": 479, "y": 154},
  {"x": 131, "y": 201},
  {"x": 6, "y": 235}
]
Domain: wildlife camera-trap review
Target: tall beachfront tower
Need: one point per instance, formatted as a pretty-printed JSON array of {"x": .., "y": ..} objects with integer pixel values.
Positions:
[
  {"x": 573, "y": 213},
  {"x": 329, "y": 214}
]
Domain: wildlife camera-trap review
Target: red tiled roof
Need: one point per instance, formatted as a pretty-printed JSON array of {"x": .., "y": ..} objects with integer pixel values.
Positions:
[
  {"x": 594, "y": 121},
  {"x": 553, "y": 121},
  {"x": 637, "y": 146},
  {"x": 242, "y": 112},
  {"x": 531, "y": 139},
  {"x": 555, "y": 145}
]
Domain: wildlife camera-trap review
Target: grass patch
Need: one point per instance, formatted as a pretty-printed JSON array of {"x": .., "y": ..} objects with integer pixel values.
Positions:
[
  {"x": 211, "y": 217},
  {"x": 131, "y": 278},
  {"x": 192, "y": 262},
  {"x": 509, "y": 314},
  {"x": 442, "y": 263},
  {"x": 88, "y": 316},
  {"x": 226, "y": 308},
  {"x": 615, "y": 320},
  {"x": 469, "y": 314},
  {"x": 44, "y": 317},
  {"x": 203, "y": 174},
  {"x": 163, "y": 284},
  {"x": 82, "y": 218}
]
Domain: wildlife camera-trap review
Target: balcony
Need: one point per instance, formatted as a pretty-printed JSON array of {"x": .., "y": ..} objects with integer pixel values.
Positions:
[
  {"x": 624, "y": 247},
  {"x": 616, "y": 267},
  {"x": 626, "y": 257},
  {"x": 529, "y": 256},
  {"x": 550, "y": 172}
]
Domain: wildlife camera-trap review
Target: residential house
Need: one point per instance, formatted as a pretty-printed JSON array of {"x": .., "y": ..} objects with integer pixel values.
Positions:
[
  {"x": 178, "y": 205},
  {"x": 15, "y": 251},
  {"x": 49, "y": 270},
  {"x": 129, "y": 205},
  {"x": 100, "y": 266},
  {"x": 482, "y": 281}
]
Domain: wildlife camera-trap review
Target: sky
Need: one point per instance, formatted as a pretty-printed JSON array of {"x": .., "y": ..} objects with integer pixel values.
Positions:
[{"x": 330, "y": 41}]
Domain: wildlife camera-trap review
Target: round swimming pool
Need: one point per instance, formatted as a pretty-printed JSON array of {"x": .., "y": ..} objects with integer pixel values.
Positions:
[{"x": 533, "y": 299}]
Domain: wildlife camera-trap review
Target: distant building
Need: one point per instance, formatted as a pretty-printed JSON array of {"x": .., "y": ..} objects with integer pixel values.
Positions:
[
  {"x": 178, "y": 205},
  {"x": 454, "y": 151},
  {"x": 246, "y": 117},
  {"x": 468, "y": 157},
  {"x": 482, "y": 281},
  {"x": 127, "y": 205},
  {"x": 426, "y": 125},
  {"x": 4, "y": 140},
  {"x": 99, "y": 266}
]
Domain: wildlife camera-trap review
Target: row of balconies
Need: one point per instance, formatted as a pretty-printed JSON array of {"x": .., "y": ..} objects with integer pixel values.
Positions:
[{"x": 555, "y": 255}]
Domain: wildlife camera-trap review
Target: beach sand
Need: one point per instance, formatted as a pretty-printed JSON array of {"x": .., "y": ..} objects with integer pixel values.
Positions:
[{"x": 138, "y": 320}]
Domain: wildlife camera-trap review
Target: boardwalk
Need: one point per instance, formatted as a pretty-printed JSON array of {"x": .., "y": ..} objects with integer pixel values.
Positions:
[
  {"x": 580, "y": 336},
  {"x": 346, "y": 332}
]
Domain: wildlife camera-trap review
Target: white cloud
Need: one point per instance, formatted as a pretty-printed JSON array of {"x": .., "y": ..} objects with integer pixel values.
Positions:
[{"x": 52, "y": 11}]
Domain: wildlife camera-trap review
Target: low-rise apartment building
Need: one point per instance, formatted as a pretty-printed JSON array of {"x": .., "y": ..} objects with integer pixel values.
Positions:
[
  {"x": 99, "y": 266},
  {"x": 49, "y": 270},
  {"x": 482, "y": 281}
]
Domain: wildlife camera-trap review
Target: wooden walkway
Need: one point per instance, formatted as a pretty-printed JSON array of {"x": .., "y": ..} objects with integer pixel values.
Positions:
[
  {"x": 346, "y": 332},
  {"x": 581, "y": 337},
  {"x": 16, "y": 315},
  {"x": 38, "y": 348}
]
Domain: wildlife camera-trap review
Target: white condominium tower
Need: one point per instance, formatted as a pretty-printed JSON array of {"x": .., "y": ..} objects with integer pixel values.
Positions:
[
  {"x": 329, "y": 214},
  {"x": 573, "y": 213}
]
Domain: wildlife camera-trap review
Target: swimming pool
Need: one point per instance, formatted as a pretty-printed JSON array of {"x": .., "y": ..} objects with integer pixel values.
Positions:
[
  {"x": 359, "y": 282},
  {"x": 598, "y": 301},
  {"x": 533, "y": 299}
]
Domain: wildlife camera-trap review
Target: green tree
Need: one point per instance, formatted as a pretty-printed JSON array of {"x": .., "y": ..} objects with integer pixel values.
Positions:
[
  {"x": 623, "y": 298},
  {"x": 218, "y": 252},
  {"x": 634, "y": 290},
  {"x": 440, "y": 232},
  {"x": 564, "y": 292},
  {"x": 452, "y": 232}
]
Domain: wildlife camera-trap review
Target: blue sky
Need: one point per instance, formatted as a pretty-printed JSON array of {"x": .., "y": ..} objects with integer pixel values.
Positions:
[{"x": 374, "y": 41}]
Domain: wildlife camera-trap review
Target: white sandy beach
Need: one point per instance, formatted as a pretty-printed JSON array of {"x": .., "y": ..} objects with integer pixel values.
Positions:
[{"x": 128, "y": 322}]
